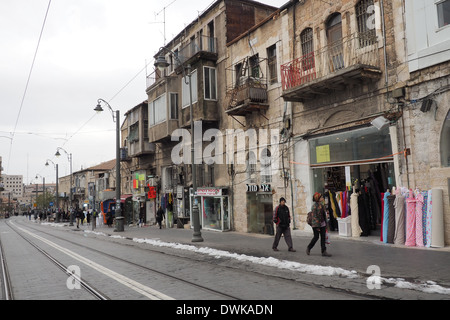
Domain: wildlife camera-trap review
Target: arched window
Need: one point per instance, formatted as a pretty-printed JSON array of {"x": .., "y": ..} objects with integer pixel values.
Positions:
[
  {"x": 445, "y": 142},
  {"x": 335, "y": 47},
  {"x": 306, "y": 40},
  {"x": 365, "y": 16}
]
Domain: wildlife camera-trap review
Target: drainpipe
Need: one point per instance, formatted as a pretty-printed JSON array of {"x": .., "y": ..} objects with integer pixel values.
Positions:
[{"x": 384, "y": 45}]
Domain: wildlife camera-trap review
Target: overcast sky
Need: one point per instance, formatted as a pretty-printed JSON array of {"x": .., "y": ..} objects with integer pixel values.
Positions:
[{"x": 89, "y": 49}]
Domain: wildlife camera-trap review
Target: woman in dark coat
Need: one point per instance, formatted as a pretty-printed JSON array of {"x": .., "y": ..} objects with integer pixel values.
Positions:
[{"x": 319, "y": 224}]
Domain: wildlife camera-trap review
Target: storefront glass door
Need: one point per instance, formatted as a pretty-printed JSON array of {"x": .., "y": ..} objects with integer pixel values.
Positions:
[{"x": 214, "y": 212}]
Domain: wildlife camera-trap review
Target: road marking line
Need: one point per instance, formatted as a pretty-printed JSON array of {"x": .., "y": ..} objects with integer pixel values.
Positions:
[{"x": 136, "y": 286}]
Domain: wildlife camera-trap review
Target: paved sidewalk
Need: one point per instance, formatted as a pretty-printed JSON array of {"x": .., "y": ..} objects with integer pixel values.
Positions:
[{"x": 358, "y": 254}]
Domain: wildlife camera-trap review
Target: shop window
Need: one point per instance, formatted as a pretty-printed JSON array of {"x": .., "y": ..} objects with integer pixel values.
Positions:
[
  {"x": 351, "y": 146},
  {"x": 445, "y": 142}
]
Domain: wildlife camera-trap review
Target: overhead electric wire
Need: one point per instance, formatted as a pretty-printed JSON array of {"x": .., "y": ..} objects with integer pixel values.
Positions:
[{"x": 28, "y": 81}]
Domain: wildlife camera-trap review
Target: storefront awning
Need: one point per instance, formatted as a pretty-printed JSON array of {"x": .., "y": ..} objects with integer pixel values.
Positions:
[{"x": 124, "y": 197}]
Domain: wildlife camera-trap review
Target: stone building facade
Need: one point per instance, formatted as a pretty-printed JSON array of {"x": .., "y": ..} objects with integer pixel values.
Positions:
[{"x": 334, "y": 94}]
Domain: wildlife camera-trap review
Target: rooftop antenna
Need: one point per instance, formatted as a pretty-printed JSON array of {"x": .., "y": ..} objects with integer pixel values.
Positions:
[{"x": 164, "y": 18}]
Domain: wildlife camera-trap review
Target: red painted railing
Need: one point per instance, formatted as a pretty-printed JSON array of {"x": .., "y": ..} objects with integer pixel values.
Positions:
[
  {"x": 298, "y": 71},
  {"x": 347, "y": 52}
]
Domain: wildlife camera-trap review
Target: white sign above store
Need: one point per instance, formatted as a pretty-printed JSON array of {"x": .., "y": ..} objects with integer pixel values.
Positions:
[{"x": 209, "y": 192}]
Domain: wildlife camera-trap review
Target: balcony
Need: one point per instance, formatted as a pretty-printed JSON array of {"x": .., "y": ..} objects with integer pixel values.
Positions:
[
  {"x": 200, "y": 47},
  {"x": 248, "y": 92},
  {"x": 351, "y": 61},
  {"x": 248, "y": 97}
]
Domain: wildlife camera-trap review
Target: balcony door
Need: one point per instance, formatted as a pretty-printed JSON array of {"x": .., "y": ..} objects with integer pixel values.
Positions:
[{"x": 334, "y": 39}]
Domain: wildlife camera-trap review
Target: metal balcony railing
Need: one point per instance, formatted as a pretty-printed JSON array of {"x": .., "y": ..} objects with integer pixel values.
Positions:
[
  {"x": 349, "y": 52},
  {"x": 151, "y": 78},
  {"x": 197, "y": 44}
]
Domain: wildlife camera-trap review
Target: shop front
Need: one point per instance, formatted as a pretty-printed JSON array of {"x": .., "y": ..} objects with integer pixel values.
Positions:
[
  {"x": 260, "y": 209},
  {"x": 139, "y": 211},
  {"x": 357, "y": 160},
  {"x": 213, "y": 204}
]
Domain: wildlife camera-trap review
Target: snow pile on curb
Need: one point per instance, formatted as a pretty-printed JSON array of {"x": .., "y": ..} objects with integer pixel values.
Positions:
[
  {"x": 427, "y": 287},
  {"x": 270, "y": 261}
]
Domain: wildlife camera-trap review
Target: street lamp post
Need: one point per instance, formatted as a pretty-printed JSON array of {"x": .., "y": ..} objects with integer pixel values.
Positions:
[
  {"x": 161, "y": 64},
  {"x": 116, "y": 118},
  {"x": 57, "y": 194},
  {"x": 69, "y": 156}
]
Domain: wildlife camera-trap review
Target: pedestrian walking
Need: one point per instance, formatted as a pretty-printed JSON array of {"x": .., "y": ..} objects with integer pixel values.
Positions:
[
  {"x": 282, "y": 218},
  {"x": 88, "y": 217},
  {"x": 159, "y": 216},
  {"x": 318, "y": 224},
  {"x": 141, "y": 218},
  {"x": 78, "y": 213},
  {"x": 109, "y": 219}
]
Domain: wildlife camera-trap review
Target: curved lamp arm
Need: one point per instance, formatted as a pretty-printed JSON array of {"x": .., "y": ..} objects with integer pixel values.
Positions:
[
  {"x": 99, "y": 108},
  {"x": 161, "y": 63}
]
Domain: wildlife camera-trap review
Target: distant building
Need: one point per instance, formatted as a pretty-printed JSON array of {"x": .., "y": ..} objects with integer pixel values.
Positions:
[{"x": 12, "y": 184}]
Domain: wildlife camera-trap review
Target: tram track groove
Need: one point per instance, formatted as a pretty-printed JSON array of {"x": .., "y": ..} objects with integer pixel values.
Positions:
[
  {"x": 159, "y": 272},
  {"x": 7, "y": 285},
  {"x": 89, "y": 288},
  {"x": 303, "y": 283}
]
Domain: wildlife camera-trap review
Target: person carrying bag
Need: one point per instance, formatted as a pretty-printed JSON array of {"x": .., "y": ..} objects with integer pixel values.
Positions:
[{"x": 318, "y": 223}]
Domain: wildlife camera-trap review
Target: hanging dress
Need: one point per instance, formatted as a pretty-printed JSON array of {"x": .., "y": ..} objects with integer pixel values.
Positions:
[
  {"x": 399, "y": 205},
  {"x": 419, "y": 223},
  {"x": 410, "y": 221}
]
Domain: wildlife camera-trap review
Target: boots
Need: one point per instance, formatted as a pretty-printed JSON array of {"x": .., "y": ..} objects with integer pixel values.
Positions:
[{"x": 326, "y": 254}]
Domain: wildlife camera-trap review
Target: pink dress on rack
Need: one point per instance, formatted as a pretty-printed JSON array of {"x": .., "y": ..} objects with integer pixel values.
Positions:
[{"x": 410, "y": 221}]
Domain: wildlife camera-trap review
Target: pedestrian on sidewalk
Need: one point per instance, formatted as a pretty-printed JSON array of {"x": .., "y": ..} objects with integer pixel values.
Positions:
[
  {"x": 78, "y": 214},
  {"x": 88, "y": 217},
  {"x": 319, "y": 224},
  {"x": 282, "y": 218},
  {"x": 159, "y": 216}
]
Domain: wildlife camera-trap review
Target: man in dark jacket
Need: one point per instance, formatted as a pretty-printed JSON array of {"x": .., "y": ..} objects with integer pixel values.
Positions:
[
  {"x": 282, "y": 218},
  {"x": 159, "y": 216}
]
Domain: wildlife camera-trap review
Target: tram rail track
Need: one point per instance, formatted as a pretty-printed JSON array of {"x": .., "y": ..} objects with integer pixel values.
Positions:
[
  {"x": 146, "y": 268},
  {"x": 220, "y": 293},
  {"x": 6, "y": 279},
  {"x": 8, "y": 285},
  {"x": 207, "y": 289}
]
